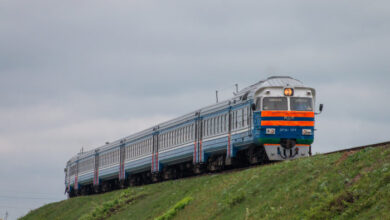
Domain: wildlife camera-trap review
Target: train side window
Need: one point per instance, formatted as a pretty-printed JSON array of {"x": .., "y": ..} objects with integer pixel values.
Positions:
[
  {"x": 165, "y": 140},
  {"x": 219, "y": 124},
  {"x": 242, "y": 117},
  {"x": 212, "y": 126},
  {"x": 189, "y": 132},
  {"x": 185, "y": 134},
  {"x": 258, "y": 103},
  {"x": 176, "y": 136},
  {"x": 179, "y": 136},
  {"x": 233, "y": 122},
  {"x": 173, "y": 137},
  {"x": 182, "y": 135},
  {"x": 216, "y": 125},
  {"x": 204, "y": 129},
  {"x": 192, "y": 132},
  {"x": 170, "y": 138},
  {"x": 248, "y": 110},
  {"x": 236, "y": 119},
  {"x": 208, "y": 127}
]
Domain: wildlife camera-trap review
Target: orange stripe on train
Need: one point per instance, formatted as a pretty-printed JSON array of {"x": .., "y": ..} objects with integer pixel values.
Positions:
[
  {"x": 300, "y": 114},
  {"x": 287, "y": 123}
]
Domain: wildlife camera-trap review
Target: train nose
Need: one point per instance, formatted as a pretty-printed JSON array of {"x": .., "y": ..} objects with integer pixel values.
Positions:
[{"x": 287, "y": 143}]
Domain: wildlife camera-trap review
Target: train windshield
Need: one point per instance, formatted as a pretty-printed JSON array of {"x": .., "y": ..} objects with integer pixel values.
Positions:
[
  {"x": 301, "y": 104},
  {"x": 275, "y": 103}
]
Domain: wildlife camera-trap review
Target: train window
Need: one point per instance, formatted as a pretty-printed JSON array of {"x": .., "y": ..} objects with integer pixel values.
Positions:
[
  {"x": 217, "y": 125},
  {"x": 275, "y": 103},
  {"x": 192, "y": 132},
  {"x": 213, "y": 129},
  {"x": 176, "y": 137},
  {"x": 258, "y": 103},
  {"x": 242, "y": 117},
  {"x": 220, "y": 124},
  {"x": 248, "y": 109},
  {"x": 170, "y": 138},
  {"x": 301, "y": 104},
  {"x": 188, "y": 133},
  {"x": 173, "y": 137},
  {"x": 224, "y": 123},
  {"x": 206, "y": 127},
  {"x": 209, "y": 128},
  {"x": 235, "y": 119},
  {"x": 185, "y": 134},
  {"x": 181, "y": 135},
  {"x": 231, "y": 120}
]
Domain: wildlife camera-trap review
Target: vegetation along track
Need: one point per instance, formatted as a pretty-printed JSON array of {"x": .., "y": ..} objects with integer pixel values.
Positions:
[{"x": 351, "y": 184}]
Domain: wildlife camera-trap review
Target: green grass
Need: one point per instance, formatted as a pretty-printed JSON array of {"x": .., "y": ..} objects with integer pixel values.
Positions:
[
  {"x": 173, "y": 211},
  {"x": 335, "y": 186}
]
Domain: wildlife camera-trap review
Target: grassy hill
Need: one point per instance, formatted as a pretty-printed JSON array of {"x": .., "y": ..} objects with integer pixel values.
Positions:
[{"x": 350, "y": 185}]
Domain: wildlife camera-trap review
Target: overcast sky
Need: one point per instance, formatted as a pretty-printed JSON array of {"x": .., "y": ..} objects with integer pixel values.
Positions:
[{"x": 79, "y": 73}]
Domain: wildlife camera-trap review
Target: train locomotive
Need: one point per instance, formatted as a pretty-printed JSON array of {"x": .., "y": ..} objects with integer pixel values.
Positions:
[{"x": 271, "y": 120}]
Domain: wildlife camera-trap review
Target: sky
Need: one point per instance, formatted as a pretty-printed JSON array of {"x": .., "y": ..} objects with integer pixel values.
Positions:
[{"x": 75, "y": 74}]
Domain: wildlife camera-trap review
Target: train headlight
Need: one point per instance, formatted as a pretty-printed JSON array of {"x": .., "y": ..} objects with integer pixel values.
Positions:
[
  {"x": 288, "y": 92},
  {"x": 307, "y": 132},
  {"x": 270, "y": 131}
]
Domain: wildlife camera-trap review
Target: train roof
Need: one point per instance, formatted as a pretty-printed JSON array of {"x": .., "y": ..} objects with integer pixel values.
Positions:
[{"x": 240, "y": 97}]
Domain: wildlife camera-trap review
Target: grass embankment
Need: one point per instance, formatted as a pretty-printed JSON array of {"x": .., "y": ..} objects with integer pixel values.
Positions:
[{"x": 339, "y": 186}]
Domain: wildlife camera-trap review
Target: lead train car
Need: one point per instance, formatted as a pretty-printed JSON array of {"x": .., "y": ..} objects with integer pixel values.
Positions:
[{"x": 270, "y": 120}]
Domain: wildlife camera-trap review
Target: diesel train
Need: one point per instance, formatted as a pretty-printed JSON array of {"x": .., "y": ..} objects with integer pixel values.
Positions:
[{"x": 271, "y": 120}]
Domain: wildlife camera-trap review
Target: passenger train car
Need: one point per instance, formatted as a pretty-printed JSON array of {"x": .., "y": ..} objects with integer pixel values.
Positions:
[{"x": 268, "y": 121}]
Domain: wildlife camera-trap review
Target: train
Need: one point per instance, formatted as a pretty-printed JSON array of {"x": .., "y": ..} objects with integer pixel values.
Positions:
[{"x": 271, "y": 120}]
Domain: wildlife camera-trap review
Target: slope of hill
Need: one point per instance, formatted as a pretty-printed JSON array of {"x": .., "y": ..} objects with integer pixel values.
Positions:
[{"x": 348, "y": 185}]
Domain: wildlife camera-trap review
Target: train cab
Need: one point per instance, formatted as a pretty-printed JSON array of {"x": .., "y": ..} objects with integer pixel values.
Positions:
[{"x": 284, "y": 118}]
